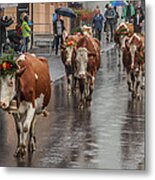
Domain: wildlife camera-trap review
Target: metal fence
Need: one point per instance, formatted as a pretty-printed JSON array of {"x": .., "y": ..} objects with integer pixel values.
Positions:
[{"x": 42, "y": 38}]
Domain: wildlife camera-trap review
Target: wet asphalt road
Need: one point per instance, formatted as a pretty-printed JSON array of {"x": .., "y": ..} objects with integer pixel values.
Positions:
[{"x": 108, "y": 135}]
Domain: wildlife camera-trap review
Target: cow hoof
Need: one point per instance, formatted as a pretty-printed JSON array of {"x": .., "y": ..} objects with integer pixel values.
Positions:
[
  {"x": 143, "y": 87},
  {"x": 81, "y": 107},
  {"x": 138, "y": 97},
  {"x": 133, "y": 95},
  {"x": 32, "y": 147},
  {"x": 32, "y": 144},
  {"x": 45, "y": 113},
  {"x": 88, "y": 103},
  {"x": 119, "y": 65},
  {"x": 69, "y": 93},
  {"x": 17, "y": 152},
  {"x": 20, "y": 152},
  {"x": 74, "y": 92}
]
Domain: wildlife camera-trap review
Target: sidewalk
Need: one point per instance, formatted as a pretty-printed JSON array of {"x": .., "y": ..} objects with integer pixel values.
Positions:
[{"x": 57, "y": 69}]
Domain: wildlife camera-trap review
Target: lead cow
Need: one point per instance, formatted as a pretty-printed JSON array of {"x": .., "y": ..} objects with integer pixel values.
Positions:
[
  {"x": 134, "y": 62},
  {"x": 68, "y": 52},
  {"x": 30, "y": 87},
  {"x": 87, "y": 64}
]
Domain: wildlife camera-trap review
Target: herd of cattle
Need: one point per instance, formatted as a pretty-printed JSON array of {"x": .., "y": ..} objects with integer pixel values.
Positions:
[{"x": 30, "y": 85}]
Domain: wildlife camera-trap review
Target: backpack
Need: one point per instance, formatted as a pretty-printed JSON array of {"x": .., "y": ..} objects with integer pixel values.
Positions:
[{"x": 19, "y": 30}]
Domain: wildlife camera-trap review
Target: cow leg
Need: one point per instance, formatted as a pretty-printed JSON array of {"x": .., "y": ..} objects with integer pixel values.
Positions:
[
  {"x": 26, "y": 128},
  {"x": 128, "y": 82},
  {"x": 74, "y": 84},
  {"x": 69, "y": 83},
  {"x": 143, "y": 79},
  {"x": 133, "y": 85},
  {"x": 19, "y": 129},
  {"x": 82, "y": 93},
  {"x": 91, "y": 89},
  {"x": 119, "y": 57},
  {"x": 138, "y": 85},
  {"x": 32, "y": 138}
]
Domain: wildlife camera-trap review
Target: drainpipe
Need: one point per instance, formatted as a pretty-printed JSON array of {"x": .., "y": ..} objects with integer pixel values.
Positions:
[{"x": 32, "y": 25}]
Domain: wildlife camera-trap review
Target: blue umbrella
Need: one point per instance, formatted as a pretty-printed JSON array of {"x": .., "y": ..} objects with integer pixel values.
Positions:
[
  {"x": 119, "y": 3},
  {"x": 64, "y": 11}
]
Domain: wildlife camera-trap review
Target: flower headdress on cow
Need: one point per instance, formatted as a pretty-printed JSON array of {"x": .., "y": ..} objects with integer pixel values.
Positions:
[
  {"x": 70, "y": 44},
  {"x": 7, "y": 64},
  {"x": 123, "y": 31}
]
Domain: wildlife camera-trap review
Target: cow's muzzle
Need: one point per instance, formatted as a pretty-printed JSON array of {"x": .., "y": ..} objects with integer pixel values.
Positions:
[
  {"x": 68, "y": 63},
  {"x": 82, "y": 76}
]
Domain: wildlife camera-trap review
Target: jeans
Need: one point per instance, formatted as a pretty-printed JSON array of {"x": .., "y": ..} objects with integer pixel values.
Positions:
[
  {"x": 110, "y": 29},
  {"x": 25, "y": 46},
  {"x": 98, "y": 34},
  {"x": 57, "y": 39}
]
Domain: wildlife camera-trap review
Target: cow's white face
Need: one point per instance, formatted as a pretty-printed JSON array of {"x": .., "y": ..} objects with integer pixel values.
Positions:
[
  {"x": 7, "y": 90},
  {"x": 81, "y": 62},
  {"x": 69, "y": 52},
  {"x": 123, "y": 41},
  {"x": 133, "y": 49},
  {"x": 133, "y": 43}
]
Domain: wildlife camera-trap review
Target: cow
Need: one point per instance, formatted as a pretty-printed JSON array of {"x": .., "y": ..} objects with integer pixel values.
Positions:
[
  {"x": 134, "y": 61},
  {"x": 122, "y": 33},
  {"x": 29, "y": 89},
  {"x": 87, "y": 64},
  {"x": 87, "y": 30},
  {"x": 68, "y": 52}
]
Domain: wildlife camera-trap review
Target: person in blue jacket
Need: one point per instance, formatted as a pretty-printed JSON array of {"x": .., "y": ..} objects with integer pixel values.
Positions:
[
  {"x": 110, "y": 18},
  {"x": 98, "y": 24}
]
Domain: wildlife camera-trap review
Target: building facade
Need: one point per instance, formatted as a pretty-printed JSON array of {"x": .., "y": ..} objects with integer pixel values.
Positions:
[{"x": 40, "y": 14}]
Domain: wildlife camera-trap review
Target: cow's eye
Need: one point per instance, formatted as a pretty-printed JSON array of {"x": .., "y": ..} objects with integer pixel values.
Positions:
[{"x": 10, "y": 83}]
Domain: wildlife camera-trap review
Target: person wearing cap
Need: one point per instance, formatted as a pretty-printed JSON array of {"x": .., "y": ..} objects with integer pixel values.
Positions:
[
  {"x": 4, "y": 22},
  {"x": 26, "y": 32},
  {"x": 110, "y": 17}
]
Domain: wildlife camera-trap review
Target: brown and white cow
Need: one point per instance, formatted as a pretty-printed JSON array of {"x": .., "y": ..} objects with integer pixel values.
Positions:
[
  {"x": 134, "y": 61},
  {"x": 68, "y": 53},
  {"x": 122, "y": 33},
  {"x": 87, "y": 64},
  {"x": 30, "y": 87}
]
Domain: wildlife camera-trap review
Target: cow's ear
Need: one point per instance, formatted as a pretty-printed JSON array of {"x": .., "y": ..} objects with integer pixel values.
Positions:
[
  {"x": 19, "y": 72},
  {"x": 127, "y": 45},
  {"x": 139, "y": 44},
  {"x": 74, "y": 54},
  {"x": 91, "y": 54},
  {"x": 63, "y": 46}
]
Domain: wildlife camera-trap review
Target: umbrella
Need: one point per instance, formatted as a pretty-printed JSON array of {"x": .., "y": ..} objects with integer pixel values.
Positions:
[
  {"x": 64, "y": 11},
  {"x": 119, "y": 3}
]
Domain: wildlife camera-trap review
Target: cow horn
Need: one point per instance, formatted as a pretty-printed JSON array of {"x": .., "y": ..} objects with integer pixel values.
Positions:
[{"x": 19, "y": 72}]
